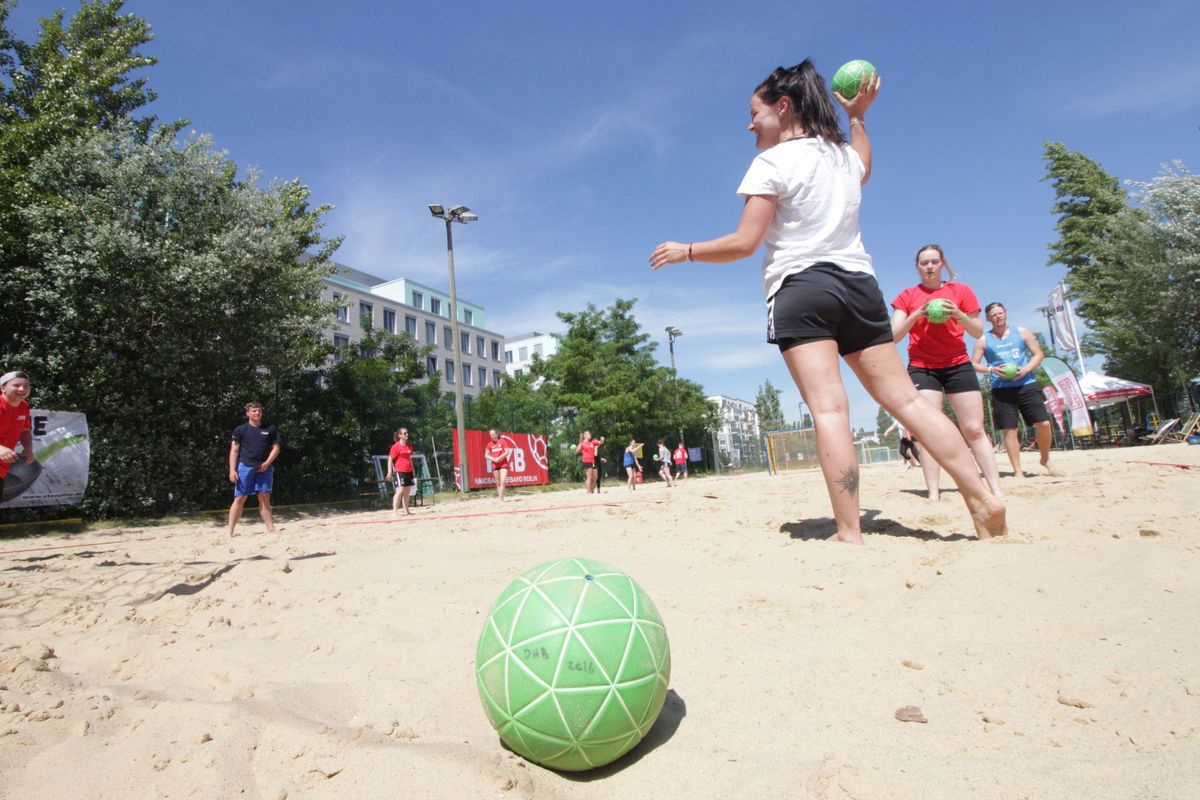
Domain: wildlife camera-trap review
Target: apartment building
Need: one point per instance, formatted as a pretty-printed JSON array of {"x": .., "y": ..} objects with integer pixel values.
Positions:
[
  {"x": 423, "y": 312},
  {"x": 520, "y": 350},
  {"x": 739, "y": 435}
]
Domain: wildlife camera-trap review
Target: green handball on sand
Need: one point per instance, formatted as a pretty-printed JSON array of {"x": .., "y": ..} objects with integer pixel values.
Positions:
[
  {"x": 849, "y": 76},
  {"x": 573, "y": 664}
]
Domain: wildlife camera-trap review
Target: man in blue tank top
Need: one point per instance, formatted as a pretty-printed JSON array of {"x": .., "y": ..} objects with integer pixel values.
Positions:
[{"x": 1009, "y": 356}]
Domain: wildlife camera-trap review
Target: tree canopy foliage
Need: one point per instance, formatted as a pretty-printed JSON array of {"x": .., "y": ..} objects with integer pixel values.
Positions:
[
  {"x": 1133, "y": 268},
  {"x": 768, "y": 408}
]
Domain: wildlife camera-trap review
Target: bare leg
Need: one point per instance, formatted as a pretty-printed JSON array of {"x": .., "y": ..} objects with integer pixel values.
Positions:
[
  {"x": 814, "y": 368},
  {"x": 1012, "y": 446},
  {"x": 968, "y": 407},
  {"x": 882, "y": 375},
  {"x": 235, "y": 512},
  {"x": 500, "y": 475},
  {"x": 929, "y": 466},
  {"x": 264, "y": 511},
  {"x": 1045, "y": 438},
  {"x": 403, "y": 492},
  {"x": 396, "y": 499}
]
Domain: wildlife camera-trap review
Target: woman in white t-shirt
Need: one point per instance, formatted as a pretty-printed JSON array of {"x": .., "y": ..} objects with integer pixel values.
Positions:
[{"x": 802, "y": 196}]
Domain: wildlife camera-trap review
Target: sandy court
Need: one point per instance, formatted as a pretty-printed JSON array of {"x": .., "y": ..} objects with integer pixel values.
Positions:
[{"x": 335, "y": 659}]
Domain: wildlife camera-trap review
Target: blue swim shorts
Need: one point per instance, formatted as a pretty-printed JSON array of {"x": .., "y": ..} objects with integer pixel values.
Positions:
[{"x": 251, "y": 481}]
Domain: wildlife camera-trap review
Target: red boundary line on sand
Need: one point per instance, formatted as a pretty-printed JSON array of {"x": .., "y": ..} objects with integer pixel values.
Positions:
[
  {"x": 1165, "y": 464},
  {"x": 419, "y": 517},
  {"x": 322, "y": 524}
]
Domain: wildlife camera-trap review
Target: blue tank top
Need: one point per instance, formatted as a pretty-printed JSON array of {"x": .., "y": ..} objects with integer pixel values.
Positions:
[{"x": 1007, "y": 349}]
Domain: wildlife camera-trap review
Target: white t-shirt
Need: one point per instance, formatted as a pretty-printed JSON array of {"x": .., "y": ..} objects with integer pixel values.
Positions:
[{"x": 819, "y": 189}]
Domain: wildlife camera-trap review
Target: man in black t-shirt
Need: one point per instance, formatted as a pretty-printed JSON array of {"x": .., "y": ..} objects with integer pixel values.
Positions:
[{"x": 252, "y": 451}]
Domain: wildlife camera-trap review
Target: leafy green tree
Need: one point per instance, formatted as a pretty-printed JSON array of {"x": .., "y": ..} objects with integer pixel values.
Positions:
[
  {"x": 72, "y": 81},
  {"x": 1132, "y": 271},
  {"x": 883, "y": 421},
  {"x": 766, "y": 405},
  {"x": 335, "y": 417},
  {"x": 604, "y": 378},
  {"x": 161, "y": 293}
]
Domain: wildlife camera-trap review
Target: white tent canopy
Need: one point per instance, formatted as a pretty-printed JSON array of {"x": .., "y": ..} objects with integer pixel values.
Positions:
[{"x": 1105, "y": 390}]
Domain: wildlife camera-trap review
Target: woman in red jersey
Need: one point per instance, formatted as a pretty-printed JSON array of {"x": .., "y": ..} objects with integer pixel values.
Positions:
[{"x": 933, "y": 315}]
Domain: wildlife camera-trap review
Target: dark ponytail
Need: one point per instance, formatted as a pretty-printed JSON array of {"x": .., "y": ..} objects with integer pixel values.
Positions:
[{"x": 812, "y": 105}]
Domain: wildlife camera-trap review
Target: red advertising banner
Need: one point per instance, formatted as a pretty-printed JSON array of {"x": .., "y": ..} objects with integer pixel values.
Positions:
[{"x": 528, "y": 465}]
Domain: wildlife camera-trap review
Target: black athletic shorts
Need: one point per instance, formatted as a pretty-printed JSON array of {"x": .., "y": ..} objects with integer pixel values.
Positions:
[
  {"x": 405, "y": 479},
  {"x": 951, "y": 380},
  {"x": 1027, "y": 399},
  {"x": 827, "y": 302}
]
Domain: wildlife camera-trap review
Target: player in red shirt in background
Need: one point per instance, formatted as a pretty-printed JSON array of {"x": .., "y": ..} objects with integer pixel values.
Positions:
[
  {"x": 16, "y": 423},
  {"x": 401, "y": 467},
  {"x": 586, "y": 449},
  {"x": 681, "y": 459},
  {"x": 938, "y": 361},
  {"x": 498, "y": 452}
]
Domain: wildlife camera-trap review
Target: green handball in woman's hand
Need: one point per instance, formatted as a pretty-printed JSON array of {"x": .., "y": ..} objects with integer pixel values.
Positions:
[
  {"x": 849, "y": 77},
  {"x": 1009, "y": 371},
  {"x": 937, "y": 312}
]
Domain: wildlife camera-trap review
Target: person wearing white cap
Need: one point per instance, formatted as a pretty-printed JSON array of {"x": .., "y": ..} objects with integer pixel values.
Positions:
[{"x": 16, "y": 423}]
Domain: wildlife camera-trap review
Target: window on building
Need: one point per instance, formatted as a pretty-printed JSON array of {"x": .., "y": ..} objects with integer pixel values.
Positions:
[
  {"x": 518, "y": 372},
  {"x": 418, "y": 299},
  {"x": 480, "y": 347},
  {"x": 468, "y": 398},
  {"x": 468, "y": 316},
  {"x": 495, "y": 350},
  {"x": 523, "y": 354},
  {"x": 389, "y": 320},
  {"x": 496, "y": 378},
  {"x": 366, "y": 315},
  {"x": 466, "y": 374},
  {"x": 431, "y": 365},
  {"x": 466, "y": 342},
  {"x": 508, "y": 356},
  {"x": 537, "y": 349},
  {"x": 430, "y": 333},
  {"x": 447, "y": 339},
  {"x": 342, "y": 314},
  {"x": 410, "y": 326},
  {"x": 435, "y": 306},
  {"x": 483, "y": 377},
  {"x": 341, "y": 344},
  {"x": 449, "y": 370}
]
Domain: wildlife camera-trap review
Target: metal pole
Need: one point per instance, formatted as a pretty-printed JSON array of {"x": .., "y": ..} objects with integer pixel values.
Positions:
[
  {"x": 675, "y": 381},
  {"x": 458, "y": 364}
]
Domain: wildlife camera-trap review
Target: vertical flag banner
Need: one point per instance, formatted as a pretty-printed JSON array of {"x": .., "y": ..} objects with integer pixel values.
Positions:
[
  {"x": 1062, "y": 319},
  {"x": 1054, "y": 405},
  {"x": 529, "y": 465},
  {"x": 1072, "y": 396},
  {"x": 58, "y": 475}
]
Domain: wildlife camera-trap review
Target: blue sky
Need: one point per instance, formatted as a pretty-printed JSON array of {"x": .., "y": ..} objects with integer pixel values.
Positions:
[{"x": 585, "y": 133}]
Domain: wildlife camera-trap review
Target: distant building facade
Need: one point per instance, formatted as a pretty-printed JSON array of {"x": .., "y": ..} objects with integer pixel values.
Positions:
[
  {"x": 739, "y": 435},
  {"x": 520, "y": 350},
  {"x": 402, "y": 306}
]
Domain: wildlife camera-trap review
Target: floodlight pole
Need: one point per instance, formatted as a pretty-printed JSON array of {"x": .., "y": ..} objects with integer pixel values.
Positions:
[
  {"x": 674, "y": 333},
  {"x": 460, "y": 214}
]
